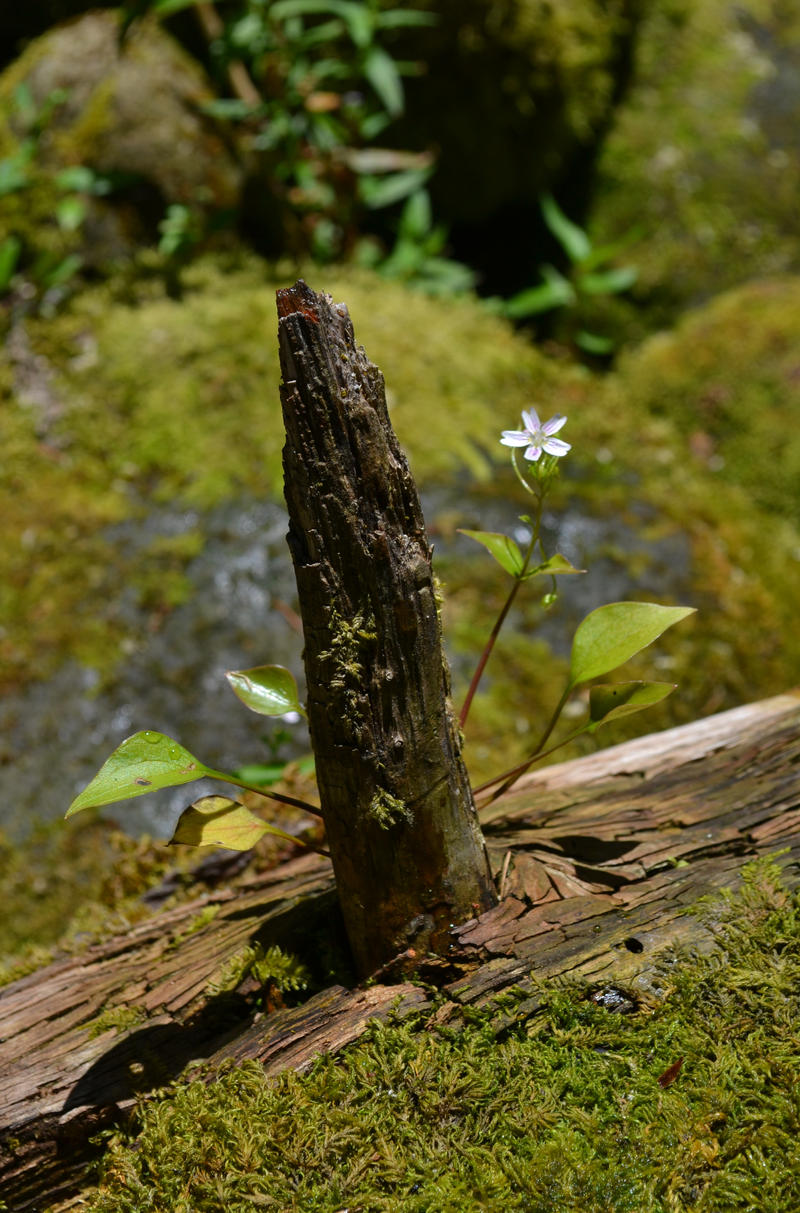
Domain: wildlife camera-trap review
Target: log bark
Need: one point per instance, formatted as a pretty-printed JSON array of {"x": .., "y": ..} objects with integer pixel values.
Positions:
[
  {"x": 587, "y": 852},
  {"x": 400, "y": 820}
]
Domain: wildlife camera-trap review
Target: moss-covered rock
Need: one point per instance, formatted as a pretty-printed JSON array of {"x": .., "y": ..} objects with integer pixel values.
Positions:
[
  {"x": 132, "y": 115},
  {"x": 514, "y": 97},
  {"x": 728, "y": 377},
  {"x": 702, "y": 157}
]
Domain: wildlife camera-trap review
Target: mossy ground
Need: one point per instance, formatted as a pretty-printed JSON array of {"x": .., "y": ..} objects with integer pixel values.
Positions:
[
  {"x": 701, "y": 160},
  {"x": 70, "y": 883},
  {"x": 545, "y": 1112}
]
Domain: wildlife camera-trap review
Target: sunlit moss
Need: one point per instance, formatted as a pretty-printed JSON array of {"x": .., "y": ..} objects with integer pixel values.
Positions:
[
  {"x": 558, "y": 1110},
  {"x": 701, "y": 158},
  {"x": 71, "y": 883}
]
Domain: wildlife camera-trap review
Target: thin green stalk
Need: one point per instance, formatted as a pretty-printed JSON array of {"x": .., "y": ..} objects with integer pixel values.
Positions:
[
  {"x": 510, "y": 777},
  {"x": 249, "y": 787},
  {"x": 501, "y": 618}
]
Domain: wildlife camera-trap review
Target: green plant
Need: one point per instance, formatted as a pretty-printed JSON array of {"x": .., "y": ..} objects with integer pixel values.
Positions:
[
  {"x": 42, "y": 260},
  {"x": 311, "y": 86},
  {"x": 417, "y": 255},
  {"x": 592, "y": 275},
  {"x": 607, "y": 638}
]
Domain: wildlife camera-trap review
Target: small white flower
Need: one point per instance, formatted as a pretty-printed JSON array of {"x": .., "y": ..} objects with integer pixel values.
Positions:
[{"x": 537, "y": 437}]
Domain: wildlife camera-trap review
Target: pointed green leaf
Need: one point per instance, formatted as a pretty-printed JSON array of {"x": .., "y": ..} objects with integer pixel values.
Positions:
[
  {"x": 612, "y": 634},
  {"x": 381, "y": 71},
  {"x": 218, "y": 821},
  {"x": 269, "y": 690},
  {"x": 555, "y": 291},
  {"x": 553, "y": 567},
  {"x": 145, "y": 762},
  {"x": 505, "y": 551},
  {"x": 593, "y": 343},
  {"x": 609, "y": 282},
  {"x": 10, "y": 249},
  {"x": 573, "y": 239},
  {"x": 610, "y": 702}
]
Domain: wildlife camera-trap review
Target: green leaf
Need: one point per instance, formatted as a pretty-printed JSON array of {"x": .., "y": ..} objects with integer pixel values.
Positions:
[
  {"x": 593, "y": 343},
  {"x": 165, "y": 8},
  {"x": 397, "y": 17},
  {"x": 573, "y": 239},
  {"x": 417, "y": 217},
  {"x": 505, "y": 551},
  {"x": 10, "y": 249},
  {"x": 13, "y": 170},
  {"x": 610, "y": 635},
  {"x": 556, "y": 291},
  {"x": 78, "y": 178},
  {"x": 70, "y": 213},
  {"x": 377, "y": 192},
  {"x": 145, "y": 762},
  {"x": 382, "y": 73},
  {"x": 218, "y": 821},
  {"x": 609, "y": 282},
  {"x": 554, "y": 567},
  {"x": 269, "y": 690},
  {"x": 63, "y": 271},
  {"x": 611, "y": 701}
]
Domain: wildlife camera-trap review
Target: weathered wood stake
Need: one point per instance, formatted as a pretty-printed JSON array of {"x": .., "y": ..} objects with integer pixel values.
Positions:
[{"x": 407, "y": 849}]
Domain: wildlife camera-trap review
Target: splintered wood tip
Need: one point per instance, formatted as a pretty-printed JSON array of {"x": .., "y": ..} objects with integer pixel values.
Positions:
[{"x": 298, "y": 298}]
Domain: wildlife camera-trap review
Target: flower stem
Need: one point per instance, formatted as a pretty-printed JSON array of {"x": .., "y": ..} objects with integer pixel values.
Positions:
[
  {"x": 508, "y": 778},
  {"x": 501, "y": 618}
]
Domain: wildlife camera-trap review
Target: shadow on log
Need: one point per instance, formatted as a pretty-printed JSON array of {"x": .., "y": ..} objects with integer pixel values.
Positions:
[{"x": 588, "y": 853}]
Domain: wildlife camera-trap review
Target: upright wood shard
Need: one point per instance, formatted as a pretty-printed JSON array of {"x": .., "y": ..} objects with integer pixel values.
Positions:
[{"x": 407, "y": 849}]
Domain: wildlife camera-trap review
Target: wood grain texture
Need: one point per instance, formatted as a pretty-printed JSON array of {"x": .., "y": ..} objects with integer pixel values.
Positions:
[
  {"x": 400, "y": 820},
  {"x": 587, "y": 851}
]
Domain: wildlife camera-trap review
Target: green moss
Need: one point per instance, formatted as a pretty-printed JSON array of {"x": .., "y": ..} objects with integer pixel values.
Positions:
[
  {"x": 120, "y": 1018},
  {"x": 268, "y": 966},
  {"x": 701, "y": 159},
  {"x": 728, "y": 376},
  {"x": 70, "y": 883},
  {"x": 389, "y": 810},
  {"x": 558, "y": 1110}
]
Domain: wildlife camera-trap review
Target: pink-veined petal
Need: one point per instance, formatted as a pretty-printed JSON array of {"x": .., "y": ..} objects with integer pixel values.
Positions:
[
  {"x": 554, "y": 446},
  {"x": 533, "y": 453},
  {"x": 553, "y": 425},
  {"x": 515, "y": 438},
  {"x": 531, "y": 419}
]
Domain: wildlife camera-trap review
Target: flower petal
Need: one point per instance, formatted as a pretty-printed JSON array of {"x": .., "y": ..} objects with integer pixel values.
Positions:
[
  {"x": 554, "y": 446},
  {"x": 553, "y": 425},
  {"x": 530, "y": 418},
  {"x": 533, "y": 453},
  {"x": 515, "y": 438}
]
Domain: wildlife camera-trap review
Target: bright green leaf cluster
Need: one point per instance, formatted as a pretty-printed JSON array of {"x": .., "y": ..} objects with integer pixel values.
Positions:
[
  {"x": 150, "y": 761},
  {"x": 590, "y": 275}
]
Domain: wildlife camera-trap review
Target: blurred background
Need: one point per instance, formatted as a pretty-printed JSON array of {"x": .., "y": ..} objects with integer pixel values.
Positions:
[{"x": 588, "y": 208}]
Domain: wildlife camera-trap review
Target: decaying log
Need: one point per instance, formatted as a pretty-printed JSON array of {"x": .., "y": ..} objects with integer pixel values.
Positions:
[
  {"x": 399, "y": 816},
  {"x": 599, "y": 859}
]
